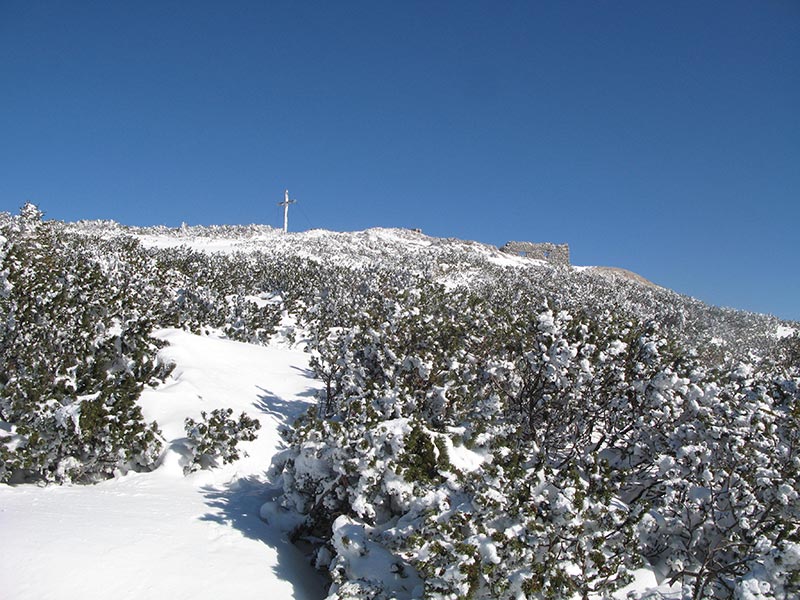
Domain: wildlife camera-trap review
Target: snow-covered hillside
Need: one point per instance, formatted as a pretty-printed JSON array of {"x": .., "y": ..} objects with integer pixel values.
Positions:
[
  {"x": 450, "y": 261},
  {"x": 437, "y": 419},
  {"x": 166, "y": 535}
]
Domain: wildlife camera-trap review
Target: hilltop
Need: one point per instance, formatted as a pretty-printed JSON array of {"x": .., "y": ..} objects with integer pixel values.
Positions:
[{"x": 454, "y": 262}]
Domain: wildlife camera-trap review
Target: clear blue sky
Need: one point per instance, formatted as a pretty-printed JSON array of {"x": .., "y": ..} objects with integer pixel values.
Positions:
[{"x": 662, "y": 137}]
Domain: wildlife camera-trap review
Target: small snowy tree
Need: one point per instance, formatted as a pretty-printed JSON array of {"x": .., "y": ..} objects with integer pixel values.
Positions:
[{"x": 216, "y": 437}]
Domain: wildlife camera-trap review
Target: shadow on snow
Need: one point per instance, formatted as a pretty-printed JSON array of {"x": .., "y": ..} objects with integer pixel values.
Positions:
[
  {"x": 284, "y": 411},
  {"x": 238, "y": 506}
]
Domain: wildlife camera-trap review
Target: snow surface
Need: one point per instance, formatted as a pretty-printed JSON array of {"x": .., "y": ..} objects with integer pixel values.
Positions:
[{"x": 160, "y": 534}]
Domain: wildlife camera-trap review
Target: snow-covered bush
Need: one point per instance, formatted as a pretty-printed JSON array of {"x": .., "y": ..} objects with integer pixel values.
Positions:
[
  {"x": 481, "y": 431},
  {"x": 216, "y": 293},
  {"x": 216, "y": 437},
  {"x": 73, "y": 359},
  {"x": 599, "y": 442}
]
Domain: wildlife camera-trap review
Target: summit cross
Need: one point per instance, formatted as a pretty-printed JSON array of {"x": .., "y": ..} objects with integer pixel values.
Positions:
[{"x": 285, "y": 204}]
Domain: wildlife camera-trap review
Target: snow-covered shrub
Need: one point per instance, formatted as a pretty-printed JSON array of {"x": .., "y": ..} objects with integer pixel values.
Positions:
[
  {"x": 73, "y": 359},
  {"x": 216, "y": 437},
  {"x": 605, "y": 443},
  {"x": 724, "y": 501},
  {"x": 215, "y": 293},
  {"x": 482, "y": 431},
  {"x": 411, "y": 368}
]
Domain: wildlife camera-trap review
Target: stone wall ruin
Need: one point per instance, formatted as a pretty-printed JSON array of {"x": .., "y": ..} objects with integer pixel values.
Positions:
[{"x": 557, "y": 254}]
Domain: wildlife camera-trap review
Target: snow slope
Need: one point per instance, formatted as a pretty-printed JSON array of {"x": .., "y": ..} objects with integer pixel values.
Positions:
[{"x": 160, "y": 534}]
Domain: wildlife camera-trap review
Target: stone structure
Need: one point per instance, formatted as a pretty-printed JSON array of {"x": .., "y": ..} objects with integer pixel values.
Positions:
[{"x": 557, "y": 254}]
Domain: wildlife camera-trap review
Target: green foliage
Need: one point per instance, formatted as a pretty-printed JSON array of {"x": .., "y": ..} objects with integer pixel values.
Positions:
[
  {"x": 603, "y": 424},
  {"x": 216, "y": 438},
  {"x": 582, "y": 412},
  {"x": 421, "y": 459},
  {"x": 73, "y": 357}
]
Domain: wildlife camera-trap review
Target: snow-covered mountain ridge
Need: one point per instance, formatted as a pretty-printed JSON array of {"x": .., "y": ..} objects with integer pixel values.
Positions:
[
  {"x": 450, "y": 261},
  {"x": 358, "y": 248}
]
